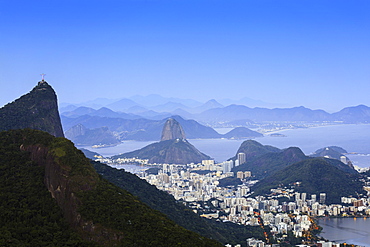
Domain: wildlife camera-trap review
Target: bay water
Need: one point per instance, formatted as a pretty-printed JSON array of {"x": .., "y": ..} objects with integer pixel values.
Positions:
[{"x": 355, "y": 138}]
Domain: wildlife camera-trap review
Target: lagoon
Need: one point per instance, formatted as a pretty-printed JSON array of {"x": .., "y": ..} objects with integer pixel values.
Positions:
[{"x": 346, "y": 230}]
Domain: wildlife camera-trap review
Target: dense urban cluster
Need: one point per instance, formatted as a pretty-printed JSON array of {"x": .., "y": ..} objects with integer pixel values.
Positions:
[{"x": 284, "y": 211}]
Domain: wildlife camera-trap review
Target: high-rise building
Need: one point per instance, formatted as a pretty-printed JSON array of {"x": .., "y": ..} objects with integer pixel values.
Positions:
[
  {"x": 242, "y": 158},
  {"x": 322, "y": 198},
  {"x": 236, "y": 162},
  {"x": 358, "y": 203},
  {"x": 247, "y": 174},
  {"x": 297, "y": 196},
  {"x": 164, "y": 178},
  {"x": 165, "y": 168},
  {"x": 240, "y": 174},
  {"x": 208, "y": 162},
  {"x": 244, "y": 191},
  {"x": 304, "y": 196},
  {"x": 313, "y": 198},
  {"x": 227, "y": 166}
]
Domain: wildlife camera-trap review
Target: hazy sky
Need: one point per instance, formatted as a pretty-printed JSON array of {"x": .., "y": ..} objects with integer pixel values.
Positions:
[{"x": 314, "y": 53}]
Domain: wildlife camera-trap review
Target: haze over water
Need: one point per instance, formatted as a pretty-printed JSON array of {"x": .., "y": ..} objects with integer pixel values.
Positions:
[{"x": 353, "y": 138}]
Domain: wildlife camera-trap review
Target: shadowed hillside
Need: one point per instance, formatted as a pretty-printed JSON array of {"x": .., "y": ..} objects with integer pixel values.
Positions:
[
  {"x": 36, "y": 110},
  {"x": 50, "y": 192},
  {"x": 224, "y": 232},
  {"x": 315, "y": 176},
  {"x": 268, "y": 163}
]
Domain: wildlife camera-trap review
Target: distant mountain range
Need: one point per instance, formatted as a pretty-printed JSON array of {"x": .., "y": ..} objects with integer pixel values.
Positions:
[
  {"x": 154, "y": 100},
  {"x": 98, "y": 136},
  {"x": 128, "y": 126},
  {"x": 141, "y": 118},
  {"x": 139, "y": 129},
  {"x": 140, "y": 104},
  {"x": 232, "y": 112}
]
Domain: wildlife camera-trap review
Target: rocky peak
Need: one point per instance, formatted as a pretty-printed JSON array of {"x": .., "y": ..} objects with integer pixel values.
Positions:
[
  {"x": 172, "y": 130},
  {"x": 37, "y": 109}
]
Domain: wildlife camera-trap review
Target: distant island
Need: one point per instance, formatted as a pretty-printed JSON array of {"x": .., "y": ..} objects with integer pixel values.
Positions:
[{"x": 277, "y": 135}]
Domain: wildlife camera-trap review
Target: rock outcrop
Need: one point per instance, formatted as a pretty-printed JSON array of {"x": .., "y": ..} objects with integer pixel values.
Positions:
[
  {"x": 37, "y": 109},
  {"x": 172, "y": 130},
  {"x": 172, "y": 149}
]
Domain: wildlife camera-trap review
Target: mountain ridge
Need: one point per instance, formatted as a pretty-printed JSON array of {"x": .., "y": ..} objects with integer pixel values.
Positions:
[
  {"x": 233, "y": 110},
  {"x": 268, "y": 163},
  {"x": 315, "y": 175},
  {"x": 86, "y": 200}
]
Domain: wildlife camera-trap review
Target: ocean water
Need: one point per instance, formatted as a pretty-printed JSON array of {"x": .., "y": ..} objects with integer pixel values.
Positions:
[
  {"x": 135, "y": 169},
  {"x": 353, "y": 138},
  {"x": 346, "y": 230},
  {"x": 124, "y": 147}
]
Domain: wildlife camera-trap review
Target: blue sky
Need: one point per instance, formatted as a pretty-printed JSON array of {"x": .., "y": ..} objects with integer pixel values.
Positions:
[{"x": 312, "y": 53}]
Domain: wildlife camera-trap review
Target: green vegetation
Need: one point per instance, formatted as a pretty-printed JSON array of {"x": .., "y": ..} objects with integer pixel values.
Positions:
[
  {"x": 367, "y": 173},
  {"x": 177, "y": 211},
  {"x": 314, "y": 176},
  {"x": 229, "y": 181},
  {"x": 89, "y": 154},
  {"x": 333, "y": 152},
  {"x": 29, "y": 216},
  {"x": 254, "y": 149},
  {"x": 271, "y": 162},
  {"x": 117, "y": 209}
]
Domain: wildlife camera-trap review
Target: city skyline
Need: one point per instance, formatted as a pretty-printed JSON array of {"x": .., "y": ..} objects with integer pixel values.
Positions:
[{"x": 285, "y": 53}]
